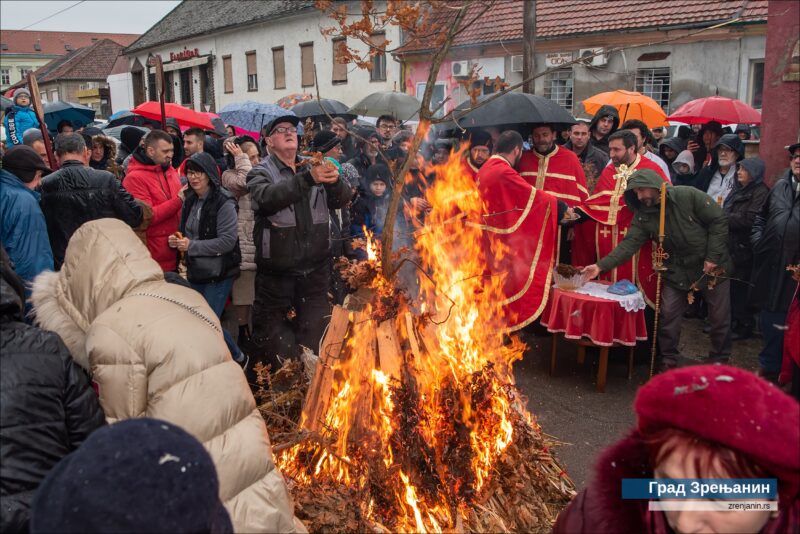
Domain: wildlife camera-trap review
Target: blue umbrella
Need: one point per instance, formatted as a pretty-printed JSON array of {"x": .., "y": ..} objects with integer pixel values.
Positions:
[
  {"x": 118, "y": 114},
  {"x": 251, "y": 116},
  {"x": 77, "y": 114}
]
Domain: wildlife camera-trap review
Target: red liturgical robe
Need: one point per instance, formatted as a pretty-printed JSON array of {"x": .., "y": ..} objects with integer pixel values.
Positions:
[
  {"x": 611, "y": 219},
  {"x": 520, "y": 231},
  {"x": 560, "y": 173}
]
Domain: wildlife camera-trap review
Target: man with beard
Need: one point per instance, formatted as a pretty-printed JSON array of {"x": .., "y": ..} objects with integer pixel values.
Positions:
[
  {"x": 480, "y": 148},
  {"x": 696, "y": 231},
  {"x": 521, "y": 219},
  {"x": 643, "y": 138},
  {"x": 592, "y": 158},
  {"x": 549, "y": 167},
  {"x": 610, "y": 219},
  {"x": 717, "y": 178},
  {"x": 604, "y": 123}
]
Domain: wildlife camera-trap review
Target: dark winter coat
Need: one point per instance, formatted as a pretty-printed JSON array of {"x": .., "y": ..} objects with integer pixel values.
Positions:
[
  {"x": 696, "y": 231},
  {"x": 47, "y": 406},
  {"x": 593, "y": 160},
  {"x": 218, "y": 235},
  {"x": 604, "y": 111},
  {"x": 776, "y": 244},
  {"x": 678, "y": 145},
  {"x": 76, "y": 194},
  {"x": 291, "y": 233},
  {"x": 742, "y": 206},
  {"x": 705, "y": 174}
]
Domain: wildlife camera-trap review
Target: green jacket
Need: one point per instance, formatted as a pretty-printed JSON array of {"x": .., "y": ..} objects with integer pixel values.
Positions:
[{"x": 696, "y": 230}]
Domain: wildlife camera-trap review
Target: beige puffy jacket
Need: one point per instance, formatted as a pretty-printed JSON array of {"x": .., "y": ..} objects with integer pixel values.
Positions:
[
  {"x": 155, "y": 349},
  {"x": 235, "y": 180}
]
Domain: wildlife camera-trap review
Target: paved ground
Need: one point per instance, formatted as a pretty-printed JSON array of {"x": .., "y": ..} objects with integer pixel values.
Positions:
[{"x": 569, "y": 408}]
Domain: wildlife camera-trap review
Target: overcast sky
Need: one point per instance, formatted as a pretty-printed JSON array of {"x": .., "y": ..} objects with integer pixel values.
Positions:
[{"x": 87, "y": 16}]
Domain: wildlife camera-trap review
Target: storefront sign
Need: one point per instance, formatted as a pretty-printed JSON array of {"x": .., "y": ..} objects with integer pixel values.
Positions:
[
  {"x": 557, "y": 59},
  {"x": 186, "y": 54}
]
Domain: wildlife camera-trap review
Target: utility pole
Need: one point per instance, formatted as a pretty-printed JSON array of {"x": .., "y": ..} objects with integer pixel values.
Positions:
[{"x": 528, "y": 44}]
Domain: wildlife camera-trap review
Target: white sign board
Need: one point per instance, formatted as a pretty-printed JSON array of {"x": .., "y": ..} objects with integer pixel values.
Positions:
[{"x": 557, "y": 59}]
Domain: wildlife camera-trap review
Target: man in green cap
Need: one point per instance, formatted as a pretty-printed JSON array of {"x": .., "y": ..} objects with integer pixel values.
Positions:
[{"x": 696, "y": 233}]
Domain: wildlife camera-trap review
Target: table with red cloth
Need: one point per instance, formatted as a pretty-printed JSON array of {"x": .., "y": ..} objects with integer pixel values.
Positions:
[{"x": 592, "y": 322}]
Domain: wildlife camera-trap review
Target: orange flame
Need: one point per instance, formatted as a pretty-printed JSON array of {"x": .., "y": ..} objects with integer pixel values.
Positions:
[{"x": 466, "y": 366}]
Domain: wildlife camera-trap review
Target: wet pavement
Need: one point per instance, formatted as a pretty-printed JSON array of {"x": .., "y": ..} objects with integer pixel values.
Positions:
[{"x": 568, "y": 407}]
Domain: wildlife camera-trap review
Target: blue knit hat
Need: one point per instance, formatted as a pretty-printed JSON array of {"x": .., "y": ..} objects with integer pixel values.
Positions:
[{"x": 139, "y": 475}]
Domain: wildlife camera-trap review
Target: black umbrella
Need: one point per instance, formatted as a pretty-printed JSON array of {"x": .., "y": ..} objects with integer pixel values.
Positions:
[
  {"x": 511, "y": 108},
  {"x": 316, "y": 110},
  {"x": 127, "y": 118}
]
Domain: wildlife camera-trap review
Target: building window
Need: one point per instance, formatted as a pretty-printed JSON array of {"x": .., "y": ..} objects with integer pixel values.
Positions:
[
  {"x": 23, "y": 71},
  {"x": 206, "y": 87},
  {"x": 654, "y": 83},
  {"x": 5, "y": 76},
  {"x": 252, "y": 71},
  {"x": 339, "y": 61},
  {"x": 307, "y": 64},
  {"x": 558, "y": 87},
  {"x": 186, "y": 86},
  {"x": 169, "y": 86},
  {"x": 54, "y": 95},
  {"x": 152, "y": 94},
  {"x": 436, "y": 98},
  {"x": 378, "y": 71},
  {"x": 43, "y": 96},
  {"x": 756, "y": 83},
  {"x": 279, "y": 68},
  {"x": 227, "y": 74}
]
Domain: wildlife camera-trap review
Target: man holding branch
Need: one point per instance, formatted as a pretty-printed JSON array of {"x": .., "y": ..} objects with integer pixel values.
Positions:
[{"x": 696, "y": 259}]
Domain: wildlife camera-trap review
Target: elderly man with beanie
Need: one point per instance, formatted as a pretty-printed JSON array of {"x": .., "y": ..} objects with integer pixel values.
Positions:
[
  {"x": 743, "y": 204},
  {"x": 776, "y": 245},
  {"x": 604, "y": 123},
  {"x": 163, "y": 481},
  {"x": 717, "y": 178},
  {"x": 156, "y": 349},
  {"x": 696, "y": 240},
  {"x": 293, "y": 244},
  {"x": 706, "y": 421},
  {"x": 19, "y": 117},
  {"x": 76, "y": 193},
  {"x": 47, "y": 405},
  {"x": 23, "y": 229}
]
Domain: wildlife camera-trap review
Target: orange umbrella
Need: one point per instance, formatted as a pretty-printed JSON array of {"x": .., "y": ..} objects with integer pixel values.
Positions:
[{"x": 630, "y": 105}]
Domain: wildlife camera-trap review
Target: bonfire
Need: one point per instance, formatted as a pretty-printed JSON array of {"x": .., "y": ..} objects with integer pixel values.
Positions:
[{"x": 409, "y": 419}]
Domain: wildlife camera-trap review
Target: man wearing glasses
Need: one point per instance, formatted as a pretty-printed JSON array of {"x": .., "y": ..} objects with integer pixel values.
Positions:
[
  {"x": 387, "y": 127},
  {"x": 776, "y": 245},
  {"x": 293, "y": 246}
]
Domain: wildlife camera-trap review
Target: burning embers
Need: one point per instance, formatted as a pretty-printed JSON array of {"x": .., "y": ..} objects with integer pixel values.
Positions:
[{"x": 415, "y": 415}]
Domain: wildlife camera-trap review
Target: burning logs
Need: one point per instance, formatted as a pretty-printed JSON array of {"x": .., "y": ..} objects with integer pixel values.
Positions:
[{"x": 388, "y": 442}]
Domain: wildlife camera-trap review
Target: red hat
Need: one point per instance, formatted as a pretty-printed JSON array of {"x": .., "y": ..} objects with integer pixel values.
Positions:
[{"x": 729, "y": 406}]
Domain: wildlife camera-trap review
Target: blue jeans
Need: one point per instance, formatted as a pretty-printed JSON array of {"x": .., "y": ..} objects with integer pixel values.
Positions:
[
  {"x": 771, "y": 355},
  {"x": 216, "y": 294}
]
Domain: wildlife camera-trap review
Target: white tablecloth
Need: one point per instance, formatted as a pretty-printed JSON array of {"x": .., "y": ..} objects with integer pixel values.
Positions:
[{"x": 633, "y": 302}]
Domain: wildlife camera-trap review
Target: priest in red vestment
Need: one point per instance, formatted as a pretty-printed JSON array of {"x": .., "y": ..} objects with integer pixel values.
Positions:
[
  {"x": 609, "y": 218},
  {"x": 480, "y": 148},
  {"x": 549, "y": 167},
  {"x": 521, "y": 224}
]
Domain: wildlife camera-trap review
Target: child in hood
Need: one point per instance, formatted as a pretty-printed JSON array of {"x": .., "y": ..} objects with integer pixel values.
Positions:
[
  {"x": 19, "y": 117},
  {"x": 370, "y": 209},
  {"x": 684, "y": 168}
]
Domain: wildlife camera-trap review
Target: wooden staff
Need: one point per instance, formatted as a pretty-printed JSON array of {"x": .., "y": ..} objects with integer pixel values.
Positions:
[
  {"x": 161, "y": 89},
  {"x": 658, "y": 266},
  {"x": 36, "y": 103}
]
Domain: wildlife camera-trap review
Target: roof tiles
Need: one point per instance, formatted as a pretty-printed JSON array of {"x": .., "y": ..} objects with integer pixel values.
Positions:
[
  {"x": 564, "y": 18},
  {"x": 56, "y": 43}
]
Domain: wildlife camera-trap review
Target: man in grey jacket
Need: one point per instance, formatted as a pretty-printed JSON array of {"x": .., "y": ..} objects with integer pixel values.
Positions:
[{"x": 293, "y": 246}]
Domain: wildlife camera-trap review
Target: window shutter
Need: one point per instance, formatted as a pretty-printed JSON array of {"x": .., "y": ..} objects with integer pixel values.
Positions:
[
  {"x": 280, "y": 69},
  {"x": 227, "y": 73},
  {"x": 339, "y": 68},
  {"x": 307, "y": 64},
  {"x": 251, "y": 63}
]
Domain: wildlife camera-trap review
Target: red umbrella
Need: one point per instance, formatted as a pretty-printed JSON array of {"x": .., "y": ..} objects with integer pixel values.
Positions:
[
  {"x": 716, "y": 108},
  {"x": 185, "y": 116}
]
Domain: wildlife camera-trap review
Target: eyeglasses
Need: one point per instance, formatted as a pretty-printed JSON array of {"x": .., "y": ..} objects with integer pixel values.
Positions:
[
  {"x": 284, "y": 130},
  {"x": 794, "y": 156},
  {"x": 386, "y": 126},
  {"x": 193, "y": 173}
]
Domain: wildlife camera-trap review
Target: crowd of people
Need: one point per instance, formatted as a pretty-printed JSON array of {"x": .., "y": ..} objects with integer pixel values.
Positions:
[{"x": 157, "y": 267}]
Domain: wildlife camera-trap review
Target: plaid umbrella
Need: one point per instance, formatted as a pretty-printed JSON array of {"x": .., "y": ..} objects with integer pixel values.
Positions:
[
  {"x": 251, "y": 116},
  {"x": 289, "y": 101}
]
